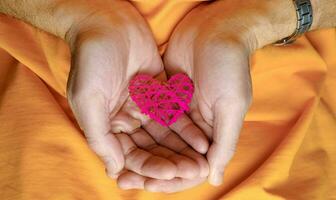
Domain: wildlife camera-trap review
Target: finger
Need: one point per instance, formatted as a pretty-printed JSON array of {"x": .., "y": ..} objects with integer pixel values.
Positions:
[
  {"x": 134, "y": 111},
  {"x": 190, "y": 133},
  {"x": 199, "y": 159},
  {"x": 196, "y": 116},
  {"x": 145, "y": 163},
  {"x": 227, "y": 125},
  {"x": 92, "y": 117},
  {"x": 186, "y": 167},
  {"x": 160, "y": 134},
  {"x": 131, "y": 180},
  {"x": 145, "y": 141},
  {"x": 171, "y": 186},
  {"x": 164, "y": 136},
  {"x": 123, "y": 122}
]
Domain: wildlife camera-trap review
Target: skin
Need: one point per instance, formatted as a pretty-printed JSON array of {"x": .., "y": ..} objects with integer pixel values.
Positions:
[
  {"x": 110, "y": 42},
  {"x": 212, "y": 44},
  {"x": 96, "y": 96},
  {"x": 109, "y": 45},
  {"x": 192, "y": 168}
]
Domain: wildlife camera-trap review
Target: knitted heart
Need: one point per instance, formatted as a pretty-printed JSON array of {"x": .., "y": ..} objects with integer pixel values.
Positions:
[{"x": 164, "y": 102}]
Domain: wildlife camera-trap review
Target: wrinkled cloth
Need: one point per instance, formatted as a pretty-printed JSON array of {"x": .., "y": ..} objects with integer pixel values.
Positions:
[{"x": 287, "y": 148}]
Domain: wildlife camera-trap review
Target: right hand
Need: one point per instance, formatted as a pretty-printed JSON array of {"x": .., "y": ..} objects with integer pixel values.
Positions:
[{"x": 109, "y": 47}]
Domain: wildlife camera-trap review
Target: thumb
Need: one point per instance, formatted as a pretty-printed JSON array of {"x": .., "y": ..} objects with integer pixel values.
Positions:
[
  {"x": 228, "y": 120},
  {"x": 93, "y": 117}
]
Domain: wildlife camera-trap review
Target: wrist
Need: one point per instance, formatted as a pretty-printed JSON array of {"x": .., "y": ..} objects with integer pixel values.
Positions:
[
  {"x": 253, "y": 23},
  {"x": 39, "y": 13},
  {"x": 316, "y": 14},
  {"x": 278, "y": 20},
  {"x": 283, "y": 18},
  {"x": 63, "y": 19},
  {"x": 118, "y": 19}
]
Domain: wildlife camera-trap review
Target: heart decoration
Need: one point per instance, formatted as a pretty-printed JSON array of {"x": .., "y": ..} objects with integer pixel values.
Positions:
[{"x": 164, "y": 102}]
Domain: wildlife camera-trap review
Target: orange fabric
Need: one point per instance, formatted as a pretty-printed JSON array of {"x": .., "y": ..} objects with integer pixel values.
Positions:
[{"x": 287, "y": 146}]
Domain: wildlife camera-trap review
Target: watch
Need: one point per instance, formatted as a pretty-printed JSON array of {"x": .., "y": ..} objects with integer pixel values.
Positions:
[{"x": 304, "y": 13}]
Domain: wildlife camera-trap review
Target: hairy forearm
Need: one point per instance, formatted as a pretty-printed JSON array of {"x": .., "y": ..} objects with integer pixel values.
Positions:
[
  {"x": 263, "y": 22},
  {"x": 48, "y": 15},
  {"x": 324, "y": 14},
  {"x": 283, "y": 18},
  {"x": 70, "y": 19}
]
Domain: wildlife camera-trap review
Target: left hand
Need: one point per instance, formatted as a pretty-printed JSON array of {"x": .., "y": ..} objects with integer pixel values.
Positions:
[{"x": 212, "y": 44}]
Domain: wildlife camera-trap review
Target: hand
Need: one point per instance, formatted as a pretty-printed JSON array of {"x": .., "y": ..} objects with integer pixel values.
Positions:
[
  {"x": 157, "y": 159},
  {"x": 110, "y": 43},
  {"x": 109, "y": 47},
  {"x": 212, "y": 45}
]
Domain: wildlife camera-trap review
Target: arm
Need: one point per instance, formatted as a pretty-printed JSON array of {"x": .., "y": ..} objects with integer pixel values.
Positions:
[
  {"x": 53, "y": 16},
  {"x": 325, "y": 13},
  {"x": 280, "y": 19},
  {"x": 110, "y": 43},
  {"x": 62, "y": 18},
  {"x": 213, "y": 44}
]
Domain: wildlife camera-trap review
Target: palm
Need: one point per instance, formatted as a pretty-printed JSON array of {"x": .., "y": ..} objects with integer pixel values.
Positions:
[
  {"x": 218, "y": 64},
  {"x": 98, "y": 84},
  {"x": 103, "y": 63},
  {"x": 176, "y": 167},
  {"x": 104, "y": 59}
]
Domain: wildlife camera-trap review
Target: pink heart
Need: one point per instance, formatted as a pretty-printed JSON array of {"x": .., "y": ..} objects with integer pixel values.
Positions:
[{"x": 164, "y": 102}]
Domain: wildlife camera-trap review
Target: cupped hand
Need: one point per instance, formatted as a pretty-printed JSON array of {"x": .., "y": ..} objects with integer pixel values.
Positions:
[
  {"x": 109, "y": 47},
  {"x": 213, "y": 49},
  {"x": 159, "y": 158}
]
